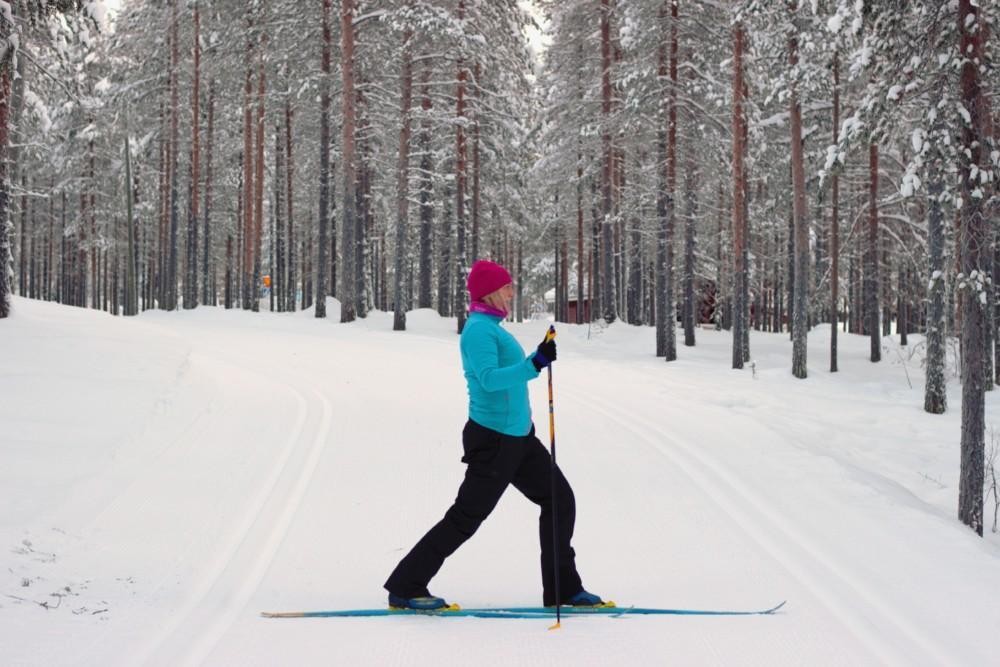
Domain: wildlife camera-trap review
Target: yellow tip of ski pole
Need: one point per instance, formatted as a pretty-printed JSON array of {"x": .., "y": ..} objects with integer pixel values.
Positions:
[{"x": 557, "y": 626}]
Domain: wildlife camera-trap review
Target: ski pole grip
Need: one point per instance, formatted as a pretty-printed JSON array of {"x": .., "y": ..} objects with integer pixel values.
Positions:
[{"x": 551, "y": 333}]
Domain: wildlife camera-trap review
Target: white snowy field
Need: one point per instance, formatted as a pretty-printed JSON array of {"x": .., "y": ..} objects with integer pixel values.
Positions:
[{"x": 163, "y": 479}]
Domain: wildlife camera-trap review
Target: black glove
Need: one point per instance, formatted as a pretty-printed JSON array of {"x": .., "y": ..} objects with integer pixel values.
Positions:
[{"x": 545, "y": 354}]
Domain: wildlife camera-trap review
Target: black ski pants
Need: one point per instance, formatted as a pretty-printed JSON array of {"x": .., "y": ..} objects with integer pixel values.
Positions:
[{"x": 494, "y": 461}]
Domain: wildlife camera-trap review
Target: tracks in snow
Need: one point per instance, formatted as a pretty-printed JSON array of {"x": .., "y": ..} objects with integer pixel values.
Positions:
[
  {"x": 764, "y": 524},
  {"x": 242, "y": 556}
]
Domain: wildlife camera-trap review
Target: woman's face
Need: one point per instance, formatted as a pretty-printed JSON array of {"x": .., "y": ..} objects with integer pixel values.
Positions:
[{"x": 502, "y": 298}]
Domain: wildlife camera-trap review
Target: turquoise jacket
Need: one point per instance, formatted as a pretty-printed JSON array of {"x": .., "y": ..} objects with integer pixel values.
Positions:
[{"x": 497, "y": 373}]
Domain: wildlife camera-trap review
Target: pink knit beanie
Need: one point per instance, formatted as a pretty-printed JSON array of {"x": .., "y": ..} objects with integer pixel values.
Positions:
[{"x": 486, "y": 278}]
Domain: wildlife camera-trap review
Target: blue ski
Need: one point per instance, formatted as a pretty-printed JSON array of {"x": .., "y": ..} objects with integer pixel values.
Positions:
[{"x": 520, "y": 612}]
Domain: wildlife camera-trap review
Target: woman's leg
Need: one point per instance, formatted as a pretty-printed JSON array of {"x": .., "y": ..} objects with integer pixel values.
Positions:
[
  {"x": 491, "y": 464},
  {"x": 533, "y": 479}
]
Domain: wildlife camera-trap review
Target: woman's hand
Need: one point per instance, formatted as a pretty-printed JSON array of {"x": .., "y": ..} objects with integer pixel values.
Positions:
[{"x": 546, "y": 353}]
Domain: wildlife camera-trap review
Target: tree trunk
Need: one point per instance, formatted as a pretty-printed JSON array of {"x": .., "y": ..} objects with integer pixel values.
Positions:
[
  {"x": 50, "y": 242},
  {"x": 594, "y": 259},
  {"x": 64, "y": 258},
  {"x": 291, "y": 277},
  {"x": 972, "y": 247},
  {"x": 800, "y": 322},
  {"x": 670, "y": 353},
  {"x": 618, "y": 190},
  {"x": 159, "y": 283},
  {"x": 663, "y": 322},
  {"x": 402, "y": 185},
  {"x": 22, "y": 247},
  {"x": 691, "y": 198},
  {"x": 174, "y": 151},
  {"x": 563, "y": 269},
  {"x": 445, "y": 269},
  {"x": 777, "y": 304},
  {"x": 258, "y": 225},
  {"x": 902, "y": 308},
  {"x": 350, "y": 270},
  {"x": 738, "y": 194},
  {"x": 996, "y": 301},
  {"x": 557, "y": 266},
  {"x": 5, "y": 226},
  {"x": 791, "y": 286},
  {"x": 277, "y": 237},
  {"x": 747, "y": 239},
  {"x": 608, "y": 279},
  {"x": 989, "y": 211},
  {"x": 519, "y": 307},
  {"x": 871, "y": 265},
  {"x": 885, "y": 284},
  {"x": 234, "y": 249},
  {"x": 248, "y": 174},
  {"x": 581, "y": 260},
  {"x": 363, "y": 236},
  {"x": 834, "y": 221},
  {"x": 460, "y": 259},
  {"x": 95, "y": 248},
  {"x": 475, "y": 167},
  {"x": 324, "y": 166},
  {"x": 209, "y": 295},
  {"x": 131, "y": 291},
  {"x": 191, "y": 277},
  {"x": 424, "y": 299},
  {"x": 634, "y": 294},
  {"x": 228, "y": 287},
  {"x": 664, "y": 301}
]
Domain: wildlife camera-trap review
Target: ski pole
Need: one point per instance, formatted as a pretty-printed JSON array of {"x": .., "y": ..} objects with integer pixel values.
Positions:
[{"x": 550, "y": 335}]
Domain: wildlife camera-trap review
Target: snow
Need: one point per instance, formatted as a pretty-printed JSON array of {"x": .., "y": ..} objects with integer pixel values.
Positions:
[
  {"x": 856, "y": 25},
  {"x": 910, "y": 184},
  {"x": 35, "y": 103},
  {"x": 98, "y": 10},
  {"x": 964, "y": 113},
  {"x": 850, "y": 127},
  {"x": 936, "y": 275},
  {"x": 167, "y": 477}
]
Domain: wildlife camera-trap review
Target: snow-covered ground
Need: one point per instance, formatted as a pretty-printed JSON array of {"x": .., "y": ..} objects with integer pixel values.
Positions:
[{"x": 165, "y": 478}]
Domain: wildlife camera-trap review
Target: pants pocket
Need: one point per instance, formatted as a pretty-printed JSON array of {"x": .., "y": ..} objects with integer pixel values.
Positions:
[{"x": 480, "y": 444}]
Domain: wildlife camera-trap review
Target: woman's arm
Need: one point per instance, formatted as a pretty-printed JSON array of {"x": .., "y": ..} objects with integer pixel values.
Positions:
[{"x": 479, "y": 346}]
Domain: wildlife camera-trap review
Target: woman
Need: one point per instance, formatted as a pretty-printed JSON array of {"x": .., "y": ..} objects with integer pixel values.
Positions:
[{"x": 500, "y": 449}]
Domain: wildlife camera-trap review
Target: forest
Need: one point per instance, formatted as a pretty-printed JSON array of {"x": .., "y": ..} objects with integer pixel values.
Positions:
[{"x": 772, "y": 165}]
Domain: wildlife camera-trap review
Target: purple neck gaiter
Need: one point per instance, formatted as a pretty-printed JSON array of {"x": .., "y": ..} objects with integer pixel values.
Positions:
[{"x": 487, "y": 309}]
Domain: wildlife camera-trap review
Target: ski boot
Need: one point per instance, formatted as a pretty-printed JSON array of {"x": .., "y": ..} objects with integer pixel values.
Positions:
[
  {"x": 585, "y": 599},
  {"x": 422, "y": 603}
]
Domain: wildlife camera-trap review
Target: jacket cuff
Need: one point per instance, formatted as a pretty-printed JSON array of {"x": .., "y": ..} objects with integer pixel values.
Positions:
[{"x": 531, "y": 364}]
